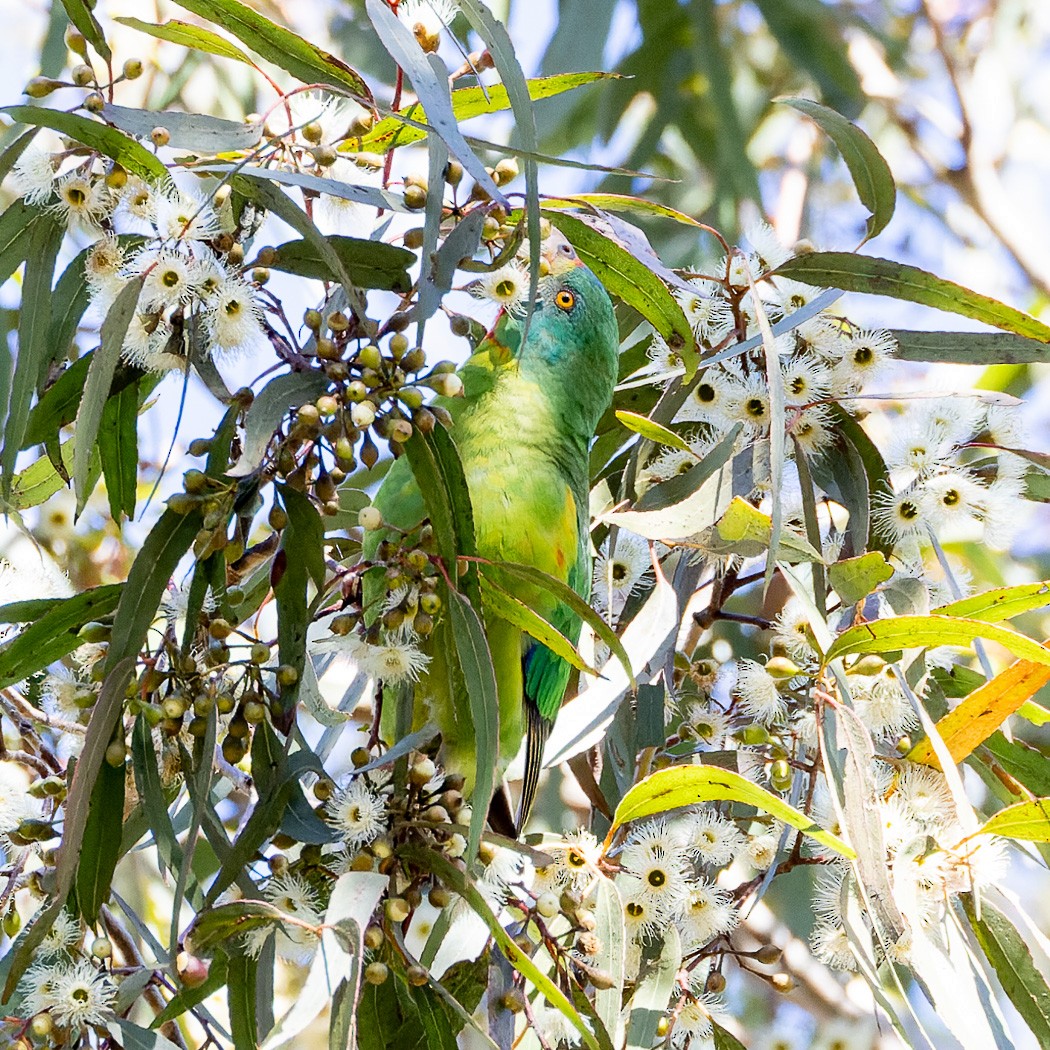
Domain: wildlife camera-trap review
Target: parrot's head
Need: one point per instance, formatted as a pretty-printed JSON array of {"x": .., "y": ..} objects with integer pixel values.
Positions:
[{"x": 573, "y": 337}]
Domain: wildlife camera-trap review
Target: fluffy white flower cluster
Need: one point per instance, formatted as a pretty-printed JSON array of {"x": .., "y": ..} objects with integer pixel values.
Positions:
[
  {"x": 930, "y": 859},
  {"x": 75, "y": 994},
  {"x": 162, "y": 237},
  {"x": 941, "y": 487},
  {"x": 822, "y": 360}
]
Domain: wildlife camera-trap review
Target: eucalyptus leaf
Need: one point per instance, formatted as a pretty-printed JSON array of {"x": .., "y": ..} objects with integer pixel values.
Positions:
[{"x": 197, "y": 132}]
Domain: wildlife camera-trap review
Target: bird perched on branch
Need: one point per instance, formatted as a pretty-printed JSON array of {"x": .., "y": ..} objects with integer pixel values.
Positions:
[{"x": 522, "y": 430}]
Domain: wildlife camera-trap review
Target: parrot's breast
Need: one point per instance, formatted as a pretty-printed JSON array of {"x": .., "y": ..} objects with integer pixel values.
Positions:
[{"x": 521, "y": 480}]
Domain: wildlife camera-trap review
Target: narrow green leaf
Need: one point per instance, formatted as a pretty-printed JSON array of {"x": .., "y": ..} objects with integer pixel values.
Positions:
[
  {"x": 564, "y": 593},
  {"x": 469, "y": 102},
  {"x": 289, "y": 576},
  {"x": 632, "y": 281},
  {"x": 475, "y": 661},
  {"x": 370, "y": 264},
  {"x": 101, "y": 844},
  {"x": 16, "y": 224},
  {"x": 1008, "y": 953},
  {"x": 654, "y": 991},
  {"x": 505, "y": 606},
  {"x": 128, "y": 153},
  {"x": 191, "y": 36},
  {"x": 118, "y": 449},
  {"x": 58, "y": 406},
  {"x": 240, "y": 997},
  {"x": 80, "y": 14},
  {"x": 34, "y": 348},
  {"x": 154, "y": 802},
  {"x": 652, "y": 431},
  {"x": 54, "y": 634},
  {"x": 725, "y": 1040},
  {"x": 909, "y": 632},
  {"x": 609, "y": 928},
  {"x": 370, "y": 195},
  {"x": 134, "y": 1037},
  {"x": 999, "y": 604},
  {"x": 863, "y": 273},
  {"x": 675, "y": 491},
  {"x": 196, "y": 132},
  {"x": 97, "y": 385},
  {"x": 168, "y": 540},
  {"x": 855, "y": 578},
  {"x": 969, "y": 348},
  {"x": 681, "y": 786},
  {"x": 871, "y": 174},
  {"x": 306, "y": 62}
]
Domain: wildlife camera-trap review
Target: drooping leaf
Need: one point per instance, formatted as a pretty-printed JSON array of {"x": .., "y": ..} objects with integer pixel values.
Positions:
[
  {"x": 863, "y": 273},
  {"x": 680, "y": 786},
  {"x": 129, "y": 154},
  {"x": 654, "y": 991},
  {"x": 101, "y": 843},
  {"x": 871, "y": 174},
  {"x": 618, "y": 202},
  {"x": 969, "y": 348},
  {"x": 564, "y": 593},
  {"x": 55, "y": 633},
  {"x": 306, "y": 62},
  {"x": 1006, "y": 950},
  {"x": 909, "y": 632},
  {"x": 118, "y": 450},
  {"x": 744, "y": 530},
  {"x": 514, "y": 611},
  {"x": 197, "y": 132},
  {"x": 281, "y": 394},
  {"x": 45, "y": 235},
  {"x": 97, "y": 384},
  {"x": 81, "y": 15},
  {"x": 194, "y": 37},
  {"x": 370, "y": 195},
  {"x": 652, "y": 431},
  {"x": 292, "y": 567},
  {"x": 433, "y": 861},
  {"x": 475, "y": 662},
  {"x": 40, "y": 480},
  {"x": 981, "y": 713},
  {"x": 370, "y": 264}
]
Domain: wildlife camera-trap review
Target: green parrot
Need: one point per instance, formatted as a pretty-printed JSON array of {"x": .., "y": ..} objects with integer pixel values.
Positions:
[{"x": 522, "y": 430}]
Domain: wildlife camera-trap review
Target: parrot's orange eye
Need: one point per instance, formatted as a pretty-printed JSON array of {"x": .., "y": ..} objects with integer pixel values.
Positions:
[{"x": 565, "y": 300}]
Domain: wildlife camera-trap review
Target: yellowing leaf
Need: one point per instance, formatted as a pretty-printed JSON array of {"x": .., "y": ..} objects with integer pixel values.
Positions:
[
  {"x": 1000, "y": 604},
  {"x": 920, "y": 632},
  {"x": 746, "y": 531},
  {"x": 855, "y": 578},
  {"x": 652, "y": 431},
  {"x": 1027, "y": 820},
  {"x": 983, "y": 711},
  {"x": 680, "y": 786}
]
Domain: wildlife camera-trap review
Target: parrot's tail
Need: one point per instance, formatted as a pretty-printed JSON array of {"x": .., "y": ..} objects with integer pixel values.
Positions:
[{"x": 537, "y": 731}]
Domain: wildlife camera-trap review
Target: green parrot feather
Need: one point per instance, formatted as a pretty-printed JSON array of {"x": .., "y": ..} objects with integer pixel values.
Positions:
[{"x": 522, "y": 430}]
